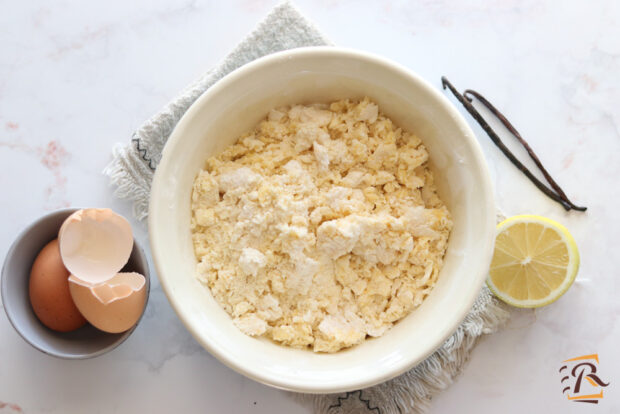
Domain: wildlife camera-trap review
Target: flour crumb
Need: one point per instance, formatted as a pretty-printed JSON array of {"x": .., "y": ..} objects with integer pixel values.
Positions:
[{"x": 320, "y": 228}]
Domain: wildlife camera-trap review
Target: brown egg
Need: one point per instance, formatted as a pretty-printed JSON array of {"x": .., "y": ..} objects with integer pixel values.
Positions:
[
  {"x": 49, "y": 291},
  {"x": 112, "y": 306}
]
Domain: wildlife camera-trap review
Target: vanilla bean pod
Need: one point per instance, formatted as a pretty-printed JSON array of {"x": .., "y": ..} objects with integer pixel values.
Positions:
[
  {"x": 524, "y": 143},
  {"x": 498, "y": 142}
]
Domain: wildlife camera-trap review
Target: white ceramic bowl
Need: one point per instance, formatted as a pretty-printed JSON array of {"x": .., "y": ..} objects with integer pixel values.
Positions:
[{"x": 235, "y": 105}]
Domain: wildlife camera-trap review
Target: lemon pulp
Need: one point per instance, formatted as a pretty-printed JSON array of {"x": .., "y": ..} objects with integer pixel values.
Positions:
[{"x": 535, "y": 261}]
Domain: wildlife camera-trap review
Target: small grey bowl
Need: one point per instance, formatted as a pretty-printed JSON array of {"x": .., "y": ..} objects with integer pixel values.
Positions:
[{"x": 85, "y": 342}]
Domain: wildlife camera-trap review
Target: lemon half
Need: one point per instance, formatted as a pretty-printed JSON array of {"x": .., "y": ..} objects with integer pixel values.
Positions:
[{"x": 534, "y": 263}]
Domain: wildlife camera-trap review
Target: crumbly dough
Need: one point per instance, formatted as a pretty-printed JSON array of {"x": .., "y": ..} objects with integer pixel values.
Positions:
[{"x": 321, "y": 227}]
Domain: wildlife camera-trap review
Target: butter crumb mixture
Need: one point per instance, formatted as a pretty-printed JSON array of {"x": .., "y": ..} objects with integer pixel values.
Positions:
[{"x": 321, "y": 227}]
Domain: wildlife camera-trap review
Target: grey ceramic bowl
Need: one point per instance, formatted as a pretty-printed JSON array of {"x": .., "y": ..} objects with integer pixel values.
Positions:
[{"x": 86, "y": 342}]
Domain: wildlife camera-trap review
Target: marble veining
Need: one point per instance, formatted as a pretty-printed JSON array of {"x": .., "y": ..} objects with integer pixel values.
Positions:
[{"x": 77, "y": 77}]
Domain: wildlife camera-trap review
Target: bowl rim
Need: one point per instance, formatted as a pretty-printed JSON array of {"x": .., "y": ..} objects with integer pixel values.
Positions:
[
  {"x": 9, "y": 312},
  {"x": 158, "y": 248}
]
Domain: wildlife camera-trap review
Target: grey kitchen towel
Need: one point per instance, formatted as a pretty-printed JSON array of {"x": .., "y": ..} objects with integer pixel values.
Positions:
[{"x": 131, "y": 172}]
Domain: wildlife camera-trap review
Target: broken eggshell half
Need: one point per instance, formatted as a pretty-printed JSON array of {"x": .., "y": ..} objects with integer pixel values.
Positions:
[
  {"x": 112, "y": 306},
  {"x": 95, "y": 244}
]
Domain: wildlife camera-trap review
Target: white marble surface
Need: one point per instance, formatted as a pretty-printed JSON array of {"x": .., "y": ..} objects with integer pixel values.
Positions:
[{"x": 77, "y": 77}]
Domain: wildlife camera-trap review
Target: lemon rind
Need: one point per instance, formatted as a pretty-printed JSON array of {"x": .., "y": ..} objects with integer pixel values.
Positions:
[{"x": 571, "y": 268}]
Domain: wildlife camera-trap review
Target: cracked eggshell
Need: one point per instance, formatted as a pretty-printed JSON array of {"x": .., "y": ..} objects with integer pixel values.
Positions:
[
  {"x": 112, "y": 306},
  {"x": 95, "y": 244}
]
